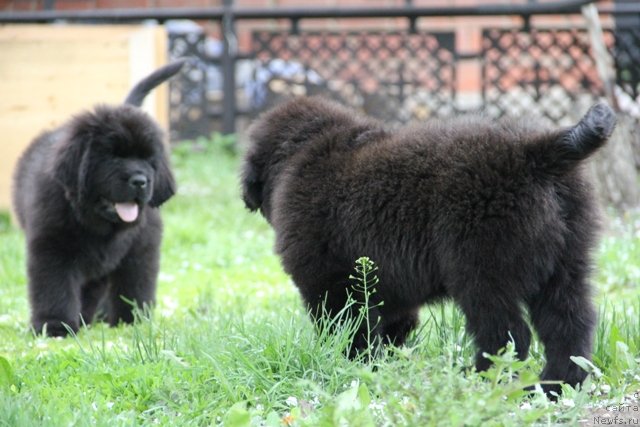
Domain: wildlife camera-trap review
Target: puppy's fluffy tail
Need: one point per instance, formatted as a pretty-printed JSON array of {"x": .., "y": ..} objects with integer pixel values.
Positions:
[
  {"x": 562, "y": 151},
  {"x": 146, "y": 85}
]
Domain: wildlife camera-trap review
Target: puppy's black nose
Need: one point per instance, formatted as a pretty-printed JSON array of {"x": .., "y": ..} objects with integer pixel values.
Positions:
[{"x": 138, "y": 181}]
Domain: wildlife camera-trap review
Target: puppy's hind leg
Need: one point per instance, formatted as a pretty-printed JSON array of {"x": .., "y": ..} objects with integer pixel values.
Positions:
[
  {"x": 493, "y": 317},
  {"x": 396, "y": 331},
  {"x": 336, "y": 307},
  {"x": 564, "y": 317}
]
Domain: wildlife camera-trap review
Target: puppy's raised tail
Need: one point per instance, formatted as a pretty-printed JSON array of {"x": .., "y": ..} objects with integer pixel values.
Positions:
[
  {"x": 561, "y": 151},
  {"x": 146, "y": 85}
]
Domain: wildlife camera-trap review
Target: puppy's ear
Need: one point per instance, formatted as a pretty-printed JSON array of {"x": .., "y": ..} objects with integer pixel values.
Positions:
[
  {"x": 252, "y": 186},
  {"x": 71, "y": 163},
  {"x": 165, "y": 185}
]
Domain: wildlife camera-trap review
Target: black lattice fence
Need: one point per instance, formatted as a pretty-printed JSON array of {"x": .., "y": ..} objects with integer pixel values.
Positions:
[
  {"x": 548, "y": 73},
  {"x": 627, "y": 59},
  {"x": 403, "y": 76},
  {"x": 398, "y": 76},
  {"x": 187, "y": 94}
]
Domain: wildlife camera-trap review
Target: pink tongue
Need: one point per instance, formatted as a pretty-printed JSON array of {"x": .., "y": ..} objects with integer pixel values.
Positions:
[{"x": 128, "y": 212}]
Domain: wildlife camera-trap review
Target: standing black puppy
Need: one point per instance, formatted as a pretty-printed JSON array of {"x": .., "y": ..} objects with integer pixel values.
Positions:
[
  {"x": 495, "y": 215},
  {"x": 86, "y": 195}
]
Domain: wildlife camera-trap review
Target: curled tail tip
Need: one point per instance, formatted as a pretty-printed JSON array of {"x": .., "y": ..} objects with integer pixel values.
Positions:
[
  {"x": 561, "y": 151},
  {"x": 174, "y": 66},
  {"x": 600, "y": 120},
  {"x": 146, "y": 85},
  {"x": 593, "y": 130}
]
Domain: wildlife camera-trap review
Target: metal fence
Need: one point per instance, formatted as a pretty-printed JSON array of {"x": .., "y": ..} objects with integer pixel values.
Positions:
[
  {"x": 398, "y": 75},
  {"x": 538, "y": 72}
]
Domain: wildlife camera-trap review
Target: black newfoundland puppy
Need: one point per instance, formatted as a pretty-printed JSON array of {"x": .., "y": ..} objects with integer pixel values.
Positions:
[
  {"x": 495, "y": 215},
  {"x": 85, "y": 195}
]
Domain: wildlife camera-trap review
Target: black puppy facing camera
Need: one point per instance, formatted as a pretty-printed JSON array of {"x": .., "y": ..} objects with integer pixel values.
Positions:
[{"x": 86, "y": 195}]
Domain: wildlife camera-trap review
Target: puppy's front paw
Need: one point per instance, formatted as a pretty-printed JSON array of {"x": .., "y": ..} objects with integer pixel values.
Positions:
[{"x": 54, "y": 327}]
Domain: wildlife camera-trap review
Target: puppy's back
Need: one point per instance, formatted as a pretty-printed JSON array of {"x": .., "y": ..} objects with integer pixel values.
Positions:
[{"x": 33, "y": 166}]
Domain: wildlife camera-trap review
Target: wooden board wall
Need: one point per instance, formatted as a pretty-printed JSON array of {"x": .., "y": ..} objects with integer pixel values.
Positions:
[{"x": 50, "y": 72}]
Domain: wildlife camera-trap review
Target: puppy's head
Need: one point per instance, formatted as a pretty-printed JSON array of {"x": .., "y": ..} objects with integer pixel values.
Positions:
[
  {"x": 112, "y": 164},
  {"x": 279, "y": 134}
]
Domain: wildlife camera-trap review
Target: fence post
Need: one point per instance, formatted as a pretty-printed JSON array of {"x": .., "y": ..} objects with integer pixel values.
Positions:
[{"x": 229, "y": 55}]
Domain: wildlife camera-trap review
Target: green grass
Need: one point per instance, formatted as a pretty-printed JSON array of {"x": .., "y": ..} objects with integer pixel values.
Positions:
[{"x": 230, "y": 344}]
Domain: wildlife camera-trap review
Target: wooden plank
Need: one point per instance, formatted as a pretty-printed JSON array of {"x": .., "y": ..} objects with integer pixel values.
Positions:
[
  {"x": 65, "y": 32},
  {"x": 162, "y": 93}
]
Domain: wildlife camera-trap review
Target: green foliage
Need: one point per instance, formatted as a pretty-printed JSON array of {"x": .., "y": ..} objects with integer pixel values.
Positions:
[
  {"x": 238, "y": 416},
  {"x": 508, "y": 369},
  {"x": 364, "y": 286},
  {"x": 619, "y": 252},
  {"x": 5, "y": 222},
  {"x": 7, "y": 378},
  {"x": 351, "y": 407},
  {"x": 230, "y": 342}
]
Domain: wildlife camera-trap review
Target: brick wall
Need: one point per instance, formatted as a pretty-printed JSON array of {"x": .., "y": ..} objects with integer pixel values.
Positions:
[{"x": 111, "y": 4}]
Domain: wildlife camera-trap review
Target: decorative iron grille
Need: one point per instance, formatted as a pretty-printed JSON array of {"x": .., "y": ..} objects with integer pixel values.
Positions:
[
  {"x": 548, "y": 73},
  {"x": 402, "y": 76},
  {"x": 627, "y": 59},
  {"x": 398, "y": 76},
  {"x": 187, "y": 91}
]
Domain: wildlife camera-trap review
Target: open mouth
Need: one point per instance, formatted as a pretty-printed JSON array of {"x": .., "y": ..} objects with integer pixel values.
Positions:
[{"x": 127, "y": 211}]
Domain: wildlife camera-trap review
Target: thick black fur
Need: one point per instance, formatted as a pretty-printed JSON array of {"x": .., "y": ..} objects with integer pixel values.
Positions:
[
  {"x": 65, "y": 188},
  {"x": 495, "y": 215}
]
